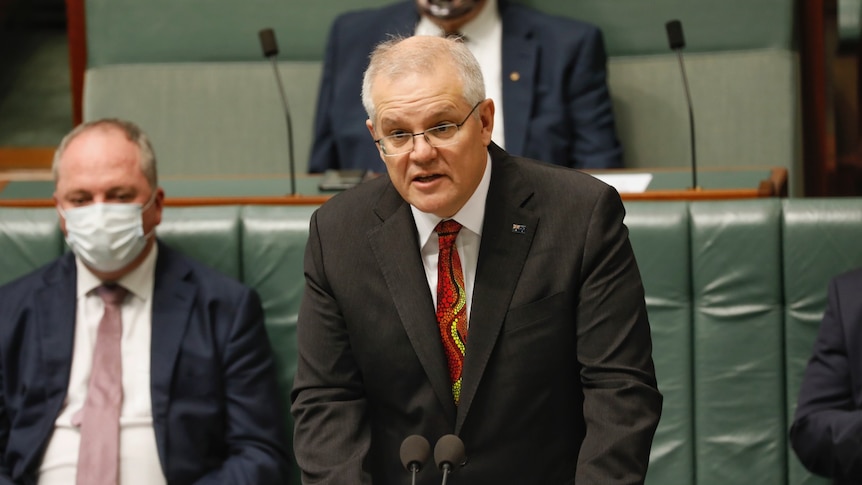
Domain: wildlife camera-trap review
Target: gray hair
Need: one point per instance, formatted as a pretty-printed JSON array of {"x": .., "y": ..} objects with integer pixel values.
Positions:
[
  {"x": 133, "y": 133},
  {"x": 391, "y": 59}
]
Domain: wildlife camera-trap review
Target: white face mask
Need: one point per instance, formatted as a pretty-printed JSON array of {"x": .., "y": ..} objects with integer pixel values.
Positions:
[
  {"x": 106, "y": 237},
  {"x": 447, "y": 9}
]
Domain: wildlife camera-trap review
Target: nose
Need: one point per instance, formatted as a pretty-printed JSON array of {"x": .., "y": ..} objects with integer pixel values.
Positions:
[{"x": 422, "y": 150}]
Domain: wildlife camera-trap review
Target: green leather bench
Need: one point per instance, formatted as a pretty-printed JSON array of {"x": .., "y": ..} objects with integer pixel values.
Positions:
[{"x": 735, "y": 291}]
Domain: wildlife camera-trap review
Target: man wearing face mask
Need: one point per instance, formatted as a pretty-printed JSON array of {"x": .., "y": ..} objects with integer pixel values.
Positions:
[
  {"x": 546, "y": 75},
  {"x": 124, "y": 361}
]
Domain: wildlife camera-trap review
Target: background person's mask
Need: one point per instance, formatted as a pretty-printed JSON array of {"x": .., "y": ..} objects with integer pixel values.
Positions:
[{"x": 447, "y": 9}]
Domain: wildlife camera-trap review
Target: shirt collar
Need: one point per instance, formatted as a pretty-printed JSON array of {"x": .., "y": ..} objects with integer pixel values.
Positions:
[
  {"x": 471, "y": 216},
  {"x": 478, "y": 28},
  {"x": 139, "y": 281}
]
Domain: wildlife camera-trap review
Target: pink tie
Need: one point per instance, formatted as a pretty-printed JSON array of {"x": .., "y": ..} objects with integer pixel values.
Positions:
[{"x": 99, "y": 452}]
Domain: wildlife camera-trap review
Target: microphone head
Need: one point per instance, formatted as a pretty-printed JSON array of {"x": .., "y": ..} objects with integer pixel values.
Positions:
[
  {"x": 414, "y": 453},
  {"x": 268, "y": 43},
  {"x": 674, "y": 34},
  {"x": 449, "y": 450}
]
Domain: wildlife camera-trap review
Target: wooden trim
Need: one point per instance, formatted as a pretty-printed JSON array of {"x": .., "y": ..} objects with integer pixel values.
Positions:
[
  {"x": 658, "y": 195},
  {"x": 774, "y": 186},
  {"x": 693, "y": 194},
  {"x": 818, "y": 161},
  {"x": 26, "y": 158},
  {"x": 778, "y": 179},
  {"x": 192, "y": 201},
  {"x": 76, "y": 29}
]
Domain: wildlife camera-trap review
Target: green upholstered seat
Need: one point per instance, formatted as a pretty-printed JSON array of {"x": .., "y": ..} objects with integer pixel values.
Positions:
[
  {"x": 28, "y": 239},
  {"x": 734, "y": 290},
  {"x": 659, "y": 233},
  {"x": 821, "y": 239}
]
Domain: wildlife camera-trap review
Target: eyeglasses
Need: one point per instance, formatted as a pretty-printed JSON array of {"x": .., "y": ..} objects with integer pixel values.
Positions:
[{"x": 439, "y": 136}]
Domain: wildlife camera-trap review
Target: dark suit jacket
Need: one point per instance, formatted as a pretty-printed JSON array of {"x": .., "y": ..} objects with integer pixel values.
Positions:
[
  {"x": 558, "y": 110},
  {"x": 827, "y": 429},
  {"x": 558, "y": 379},
  {"x": 215, "y": 402}
]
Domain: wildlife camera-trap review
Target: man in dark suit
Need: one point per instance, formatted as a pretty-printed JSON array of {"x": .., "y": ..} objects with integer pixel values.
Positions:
[
  {"x": 191, "y": 359},
  {"x": 538, "y": 355},
  {"x": 546, "y": 75},
  {"x": 827, "y": 428}
]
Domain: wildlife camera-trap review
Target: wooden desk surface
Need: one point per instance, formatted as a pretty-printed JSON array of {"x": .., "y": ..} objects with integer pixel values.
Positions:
[{"x": 36, "y": 189}]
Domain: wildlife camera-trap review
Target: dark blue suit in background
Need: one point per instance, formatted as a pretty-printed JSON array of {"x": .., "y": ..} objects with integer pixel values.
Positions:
[
  {"x": 827, "y": 429},
  {"x": 214, "y": 396},
  {"x": 559, "y": 108}
]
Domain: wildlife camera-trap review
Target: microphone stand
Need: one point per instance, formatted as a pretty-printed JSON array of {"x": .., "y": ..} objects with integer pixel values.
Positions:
[
  {"x": 414, "y": 469},
  {"x": 690, "y": 121},
  {"x": 289, "y": 124},
  {"x": 445, "y": 473}
]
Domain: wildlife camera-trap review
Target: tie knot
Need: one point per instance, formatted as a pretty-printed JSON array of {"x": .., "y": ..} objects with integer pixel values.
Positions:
[
  {"x": 447, "y": 231},
  {"x": 447, "y": 227},
  {"x": 112, "y": 294}
]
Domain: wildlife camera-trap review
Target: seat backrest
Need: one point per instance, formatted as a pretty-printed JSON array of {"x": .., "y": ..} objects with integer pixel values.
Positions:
[
  {"x": 211, "y": 119},
  {"x": 821, "y": 240},
  {"x": 175, "y": 73},
  {"x": 742, "y": 68}
]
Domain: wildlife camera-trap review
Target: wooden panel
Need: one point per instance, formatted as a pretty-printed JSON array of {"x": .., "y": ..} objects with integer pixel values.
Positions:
[
  {"x": 819, "y": 145},
  {"x": 77, "y": 33},
  {"x": 26, "y": 158}
]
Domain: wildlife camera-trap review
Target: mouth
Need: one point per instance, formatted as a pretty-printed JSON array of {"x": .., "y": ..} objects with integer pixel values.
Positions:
[{"x": 424, "y": 179}]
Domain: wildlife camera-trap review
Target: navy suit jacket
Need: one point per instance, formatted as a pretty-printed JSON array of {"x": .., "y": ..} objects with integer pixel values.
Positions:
[
  {"x": 215, "y": 402},
  {"x": 558, "y": 110},
  {"x": 827, "y": 429},
  {"x": 558, "y": 381}
]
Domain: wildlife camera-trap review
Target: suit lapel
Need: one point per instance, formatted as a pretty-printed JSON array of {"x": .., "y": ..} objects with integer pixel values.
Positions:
[
  {"x": 401, "y": 264},
  {"x": 519, "y": 78},
  {"x": 173, "y": 298},
  {"x": 507, "y": 235},
  {"x": 55, "y": 307}
]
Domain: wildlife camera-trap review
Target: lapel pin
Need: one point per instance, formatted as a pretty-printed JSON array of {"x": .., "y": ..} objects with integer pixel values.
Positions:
[
  {"x": 519, "y": 228},
  {"x": 515, "y": 76}
]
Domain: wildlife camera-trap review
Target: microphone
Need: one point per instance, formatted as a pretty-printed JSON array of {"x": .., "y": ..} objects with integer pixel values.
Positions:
[
  {"x": 677, "y": 43},
  {"x": 414, "y": 453},
  {"x": 448, "y": 452},
  {"x": 270, "y": 51}
]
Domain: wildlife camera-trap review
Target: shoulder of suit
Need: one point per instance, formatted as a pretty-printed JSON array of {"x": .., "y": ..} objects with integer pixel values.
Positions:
[
  {"x": 376, "y": 13},
  {"x": 513, "y": 14},
  {"x": 556, "y": 179},
  {"x": 63, "y": 266},
  {"x": 850, "y": 279},
  {"x": 202, "y": 273}
]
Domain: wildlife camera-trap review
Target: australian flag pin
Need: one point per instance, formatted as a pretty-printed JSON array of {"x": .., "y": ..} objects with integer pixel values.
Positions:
[{"x": 519, "y": 228}]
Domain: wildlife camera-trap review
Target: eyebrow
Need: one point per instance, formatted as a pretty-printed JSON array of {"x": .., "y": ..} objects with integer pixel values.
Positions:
[{"x": 446, "y": 113}]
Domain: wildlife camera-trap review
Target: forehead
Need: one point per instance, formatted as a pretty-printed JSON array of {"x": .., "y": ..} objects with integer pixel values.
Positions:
[
  {"x": 408, "y": 94},
  {"x": 99, "y": 156}
]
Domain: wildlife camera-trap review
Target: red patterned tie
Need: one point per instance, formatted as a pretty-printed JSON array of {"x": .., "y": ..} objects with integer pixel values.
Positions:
[
  {"x": 98, "y": 453},
  {"x": 451, "y": 302}
]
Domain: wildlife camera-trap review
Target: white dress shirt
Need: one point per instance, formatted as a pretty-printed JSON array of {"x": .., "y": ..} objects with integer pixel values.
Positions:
[
  {"x": 471, "y": 217},
  {"x": 139, "y": 458},
  {"x": 484, "y": 37}
]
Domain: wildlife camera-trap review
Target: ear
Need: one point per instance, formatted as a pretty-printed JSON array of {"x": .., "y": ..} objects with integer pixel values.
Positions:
[
  {"x": 486, "y": 116},
  {"x": 62, "y": 220},
  {"x": 370, "y": 127},
  {"x": 158, "y": 205}
]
